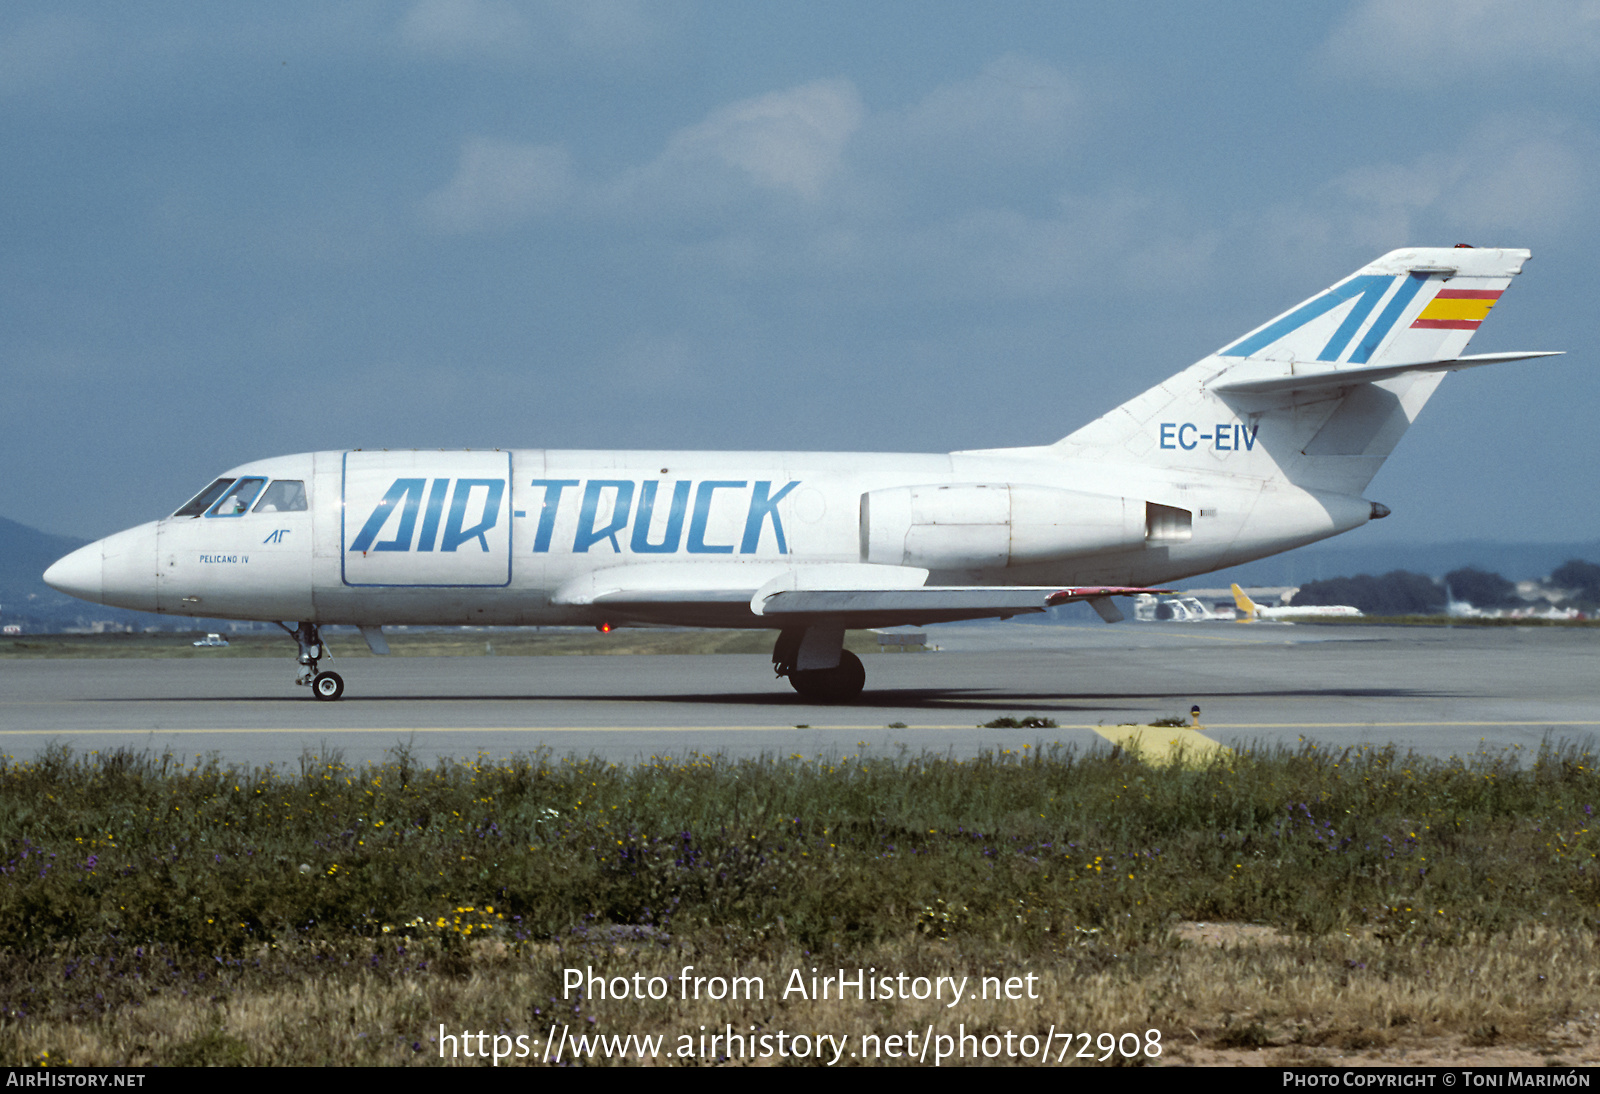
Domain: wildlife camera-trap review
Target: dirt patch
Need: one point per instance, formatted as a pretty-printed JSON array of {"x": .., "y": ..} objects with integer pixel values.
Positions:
[
  {"x": 1228, "y": 934},
  {"x": 1574, "y": 1042}
]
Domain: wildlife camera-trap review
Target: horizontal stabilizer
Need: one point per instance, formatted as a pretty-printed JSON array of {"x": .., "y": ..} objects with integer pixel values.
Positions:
[{"x": 1237, "y": 384}]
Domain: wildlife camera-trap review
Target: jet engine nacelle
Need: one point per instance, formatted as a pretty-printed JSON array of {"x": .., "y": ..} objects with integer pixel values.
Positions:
[{"x": 990, "y": 525}]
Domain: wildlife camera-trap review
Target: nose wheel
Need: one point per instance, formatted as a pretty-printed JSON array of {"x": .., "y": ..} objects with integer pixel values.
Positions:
[{"x": 325, "y": 686}]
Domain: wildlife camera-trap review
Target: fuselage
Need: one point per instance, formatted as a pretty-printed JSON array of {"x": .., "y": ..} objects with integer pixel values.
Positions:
[
  {"x": 1311, "y": 611},
  {"x": 532, "y": 537}
]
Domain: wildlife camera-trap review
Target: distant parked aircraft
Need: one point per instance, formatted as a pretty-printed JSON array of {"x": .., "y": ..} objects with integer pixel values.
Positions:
[
  {"x": 1176, "y": 609},
  {"x": 1251, "y": 612},
  {"x": 1459, "y": 609}
]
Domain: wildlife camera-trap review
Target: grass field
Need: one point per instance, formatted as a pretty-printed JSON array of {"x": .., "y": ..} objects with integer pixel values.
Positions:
[{"x": 153, "y": 912}]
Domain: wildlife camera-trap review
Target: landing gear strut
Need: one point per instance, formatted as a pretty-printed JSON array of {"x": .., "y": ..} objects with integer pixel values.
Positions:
[
  {"x": 326, "y": 686},
  {"x": 817, "y": 664}
]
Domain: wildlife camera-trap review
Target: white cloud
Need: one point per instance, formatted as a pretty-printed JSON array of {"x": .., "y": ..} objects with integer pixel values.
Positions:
[
  {"x": 789, "y": 141},
  {"x": 1016, "y": 108},
  {"x": 1511, "y": 182},
  {"x": 719, "y": 195},
  {"x": 1521, "y": 178},
  {"x": 783, "y": 188},
  {"x": 1461, "y": 41},
  {"x": 500, "y": 185}
]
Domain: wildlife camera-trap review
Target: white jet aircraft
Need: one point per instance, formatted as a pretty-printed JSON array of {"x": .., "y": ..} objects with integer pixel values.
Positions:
[
  {"x": 1261, "y": 447},
  {"x": 1251, "y": 612}
]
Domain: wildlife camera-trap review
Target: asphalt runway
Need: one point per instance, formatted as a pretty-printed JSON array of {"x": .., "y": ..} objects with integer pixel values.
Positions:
[{"x": 1439, "y": 691}]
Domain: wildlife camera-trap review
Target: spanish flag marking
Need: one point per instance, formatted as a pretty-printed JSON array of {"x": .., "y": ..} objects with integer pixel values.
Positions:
[{"x": 1457, "y": 309}]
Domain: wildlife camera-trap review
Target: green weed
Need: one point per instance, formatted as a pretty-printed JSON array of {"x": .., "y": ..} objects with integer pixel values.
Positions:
[{"x": 127, "y": 877}]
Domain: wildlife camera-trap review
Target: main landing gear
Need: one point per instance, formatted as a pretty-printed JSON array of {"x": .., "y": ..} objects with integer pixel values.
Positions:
[
  {"x": 325, "y": 686},
  {"x": 817, "y": 664}
]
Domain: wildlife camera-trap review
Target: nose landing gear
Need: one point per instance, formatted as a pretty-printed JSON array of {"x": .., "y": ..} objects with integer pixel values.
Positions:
[{"x": 325, "y": 686}]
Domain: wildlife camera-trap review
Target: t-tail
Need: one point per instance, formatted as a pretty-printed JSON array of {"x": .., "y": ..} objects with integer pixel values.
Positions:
[
  {"x": 1318, "y": 397},
  {"x": 1248, "y": 612}
]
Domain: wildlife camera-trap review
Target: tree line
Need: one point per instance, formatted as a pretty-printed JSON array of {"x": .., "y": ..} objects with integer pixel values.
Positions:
[{"x": 1401, "y": 592}]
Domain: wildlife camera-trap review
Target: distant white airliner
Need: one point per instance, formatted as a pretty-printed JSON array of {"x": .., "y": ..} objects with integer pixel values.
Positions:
[
  {"x": 1263, "y": 446},
  {"x": 1251, "y": 612},
  {"x": 1176, "y": 609}
]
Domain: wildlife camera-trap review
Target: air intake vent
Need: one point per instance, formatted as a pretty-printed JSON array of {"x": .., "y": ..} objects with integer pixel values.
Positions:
[{"x": 1165, "y": 524}]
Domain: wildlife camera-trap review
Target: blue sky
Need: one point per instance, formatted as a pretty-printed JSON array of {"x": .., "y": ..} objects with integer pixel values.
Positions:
[{"x": 231, "y": 234}]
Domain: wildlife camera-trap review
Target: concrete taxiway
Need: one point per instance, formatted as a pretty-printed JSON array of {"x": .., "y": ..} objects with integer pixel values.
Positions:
[{"x": 1439, "y": 691}]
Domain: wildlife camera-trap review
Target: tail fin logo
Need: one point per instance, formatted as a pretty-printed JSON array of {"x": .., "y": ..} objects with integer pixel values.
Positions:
[
  {"x": 1247, "y": 607},
  {"x": 1367, "y": 290}
]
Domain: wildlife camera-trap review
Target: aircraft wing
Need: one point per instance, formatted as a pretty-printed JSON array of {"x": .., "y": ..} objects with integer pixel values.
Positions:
[
  {"x": 933, "y": 604},
  {"x": 837, "y": 594}
]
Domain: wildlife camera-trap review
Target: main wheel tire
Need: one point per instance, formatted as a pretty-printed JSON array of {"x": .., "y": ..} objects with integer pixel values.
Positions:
[
  {"x": 328, "y": 686},
  {"x": 840, "y": 684}
]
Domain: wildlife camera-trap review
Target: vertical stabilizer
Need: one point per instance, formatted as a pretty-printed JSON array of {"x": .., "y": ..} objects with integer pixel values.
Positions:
[
  {"x": 1420, "y": 304},
  {"x": 1320, "y": 395},
  {"x": 1247, "y": 607}
]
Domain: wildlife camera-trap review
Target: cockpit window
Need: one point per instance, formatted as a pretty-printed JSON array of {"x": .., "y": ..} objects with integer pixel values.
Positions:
[
  {"x": 236, "y": 501},
  {"x": 283, "y": 496},
  {"x": 204, "y": 499}
]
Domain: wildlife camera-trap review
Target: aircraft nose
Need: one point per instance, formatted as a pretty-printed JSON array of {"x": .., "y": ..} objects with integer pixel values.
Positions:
[
  {"x": 80, "y": 574},
  {"x": 119, "y": 570}
]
